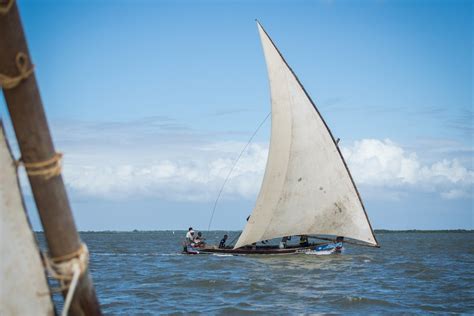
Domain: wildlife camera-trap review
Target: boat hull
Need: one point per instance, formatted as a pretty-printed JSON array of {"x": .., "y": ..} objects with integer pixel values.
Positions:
[{"x": 269, "y": 250}]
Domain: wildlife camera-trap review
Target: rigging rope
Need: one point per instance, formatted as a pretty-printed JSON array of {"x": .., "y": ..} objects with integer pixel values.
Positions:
[
  {"x": 67, "y": 270},
  {"x": 235, "y": 239},
  {"x": 47, "y": 169},
  {"x": 6, "y": 6},
  {"x": 232, "y": 169},
  {"x": 24, "y": 68}
]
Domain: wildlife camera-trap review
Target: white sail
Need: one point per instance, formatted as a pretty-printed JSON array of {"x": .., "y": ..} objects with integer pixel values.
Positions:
[
  {"x": 307, "y": 188},
  {"x": 23, "y": 286}
]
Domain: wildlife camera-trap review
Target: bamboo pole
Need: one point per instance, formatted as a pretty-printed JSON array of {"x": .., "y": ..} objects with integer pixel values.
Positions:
[{"x": 36, "y": 145}]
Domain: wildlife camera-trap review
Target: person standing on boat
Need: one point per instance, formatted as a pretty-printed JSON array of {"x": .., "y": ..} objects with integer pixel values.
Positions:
[
  {"x": 190, "y": 236},
  {"x": 223, "y": 240}
]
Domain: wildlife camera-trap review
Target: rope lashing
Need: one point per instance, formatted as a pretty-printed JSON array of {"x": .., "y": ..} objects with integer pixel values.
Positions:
[
  {"x": 24, "y": 68},
  {"x": 5, "y": 7},
  {"x": 48, "y": 168},
  {"x": 67, "y": 270}
]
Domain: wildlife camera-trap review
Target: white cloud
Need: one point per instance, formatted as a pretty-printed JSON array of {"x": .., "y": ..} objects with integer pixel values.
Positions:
[
  {"x": 380, "y": 162},
  {"x": 180, "y": 164},
  {"x": 197, "y": 176},
  {"x": 383, "y": 163}
]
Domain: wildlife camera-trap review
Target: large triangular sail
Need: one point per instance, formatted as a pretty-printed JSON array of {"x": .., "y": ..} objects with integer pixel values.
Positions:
[{"x": 307, "y": 188}]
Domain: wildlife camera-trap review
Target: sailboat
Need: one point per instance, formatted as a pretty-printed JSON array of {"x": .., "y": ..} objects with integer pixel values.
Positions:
[{"x": 307, "y": 189}]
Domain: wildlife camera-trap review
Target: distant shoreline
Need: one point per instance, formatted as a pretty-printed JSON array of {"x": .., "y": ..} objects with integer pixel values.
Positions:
[
  {"x": 385, "y": 231},
  {"x": 377, "y": 231}
]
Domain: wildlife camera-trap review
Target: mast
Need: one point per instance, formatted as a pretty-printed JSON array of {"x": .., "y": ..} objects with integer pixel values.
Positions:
[{"x": 37, "y": 151}]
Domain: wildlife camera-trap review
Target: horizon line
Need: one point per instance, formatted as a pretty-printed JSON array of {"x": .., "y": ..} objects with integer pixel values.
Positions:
[{"x": 226, "y": 230}]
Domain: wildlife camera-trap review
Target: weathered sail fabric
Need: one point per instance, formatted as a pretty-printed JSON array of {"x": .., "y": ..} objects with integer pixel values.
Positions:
[
  {"x": 23, "y": 286},
  {"x": 307, "y": 188}
]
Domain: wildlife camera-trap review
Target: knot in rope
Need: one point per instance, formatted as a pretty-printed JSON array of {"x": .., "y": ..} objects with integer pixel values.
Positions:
[
  {"x": 24, "y": 68},
  {"x": 67, "y": 270},
  {"x": 5, "y": 7},
  {"x": 48, "y": 168}
]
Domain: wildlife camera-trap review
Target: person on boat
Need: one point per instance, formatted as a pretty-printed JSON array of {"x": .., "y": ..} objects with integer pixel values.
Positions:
[
  {"x": 284, "y": 241},
  {"x": 339, "y": 240},
  {"x": 199, "y": 240},
  {"x": 304, "y": 241},
  {"x": 222, "y": 243},
  {"x": 190, "y": 236}
]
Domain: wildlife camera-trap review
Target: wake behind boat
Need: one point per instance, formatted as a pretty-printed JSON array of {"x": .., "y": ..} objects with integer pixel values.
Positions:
[{"x": 307, "y": 188}]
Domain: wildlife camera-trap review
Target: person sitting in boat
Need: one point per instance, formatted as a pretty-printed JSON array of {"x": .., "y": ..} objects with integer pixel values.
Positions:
[
  {"x": 304, "y": 241},
  {"x": 223, "y": 240},
  {"x": 284, "y": 241},
  {"x": 199, "y": 240},
  {"x": 339, "y": 240}
]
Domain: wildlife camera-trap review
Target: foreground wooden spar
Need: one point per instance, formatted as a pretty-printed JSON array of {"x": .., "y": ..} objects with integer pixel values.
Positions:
[
  {"x": 39, "y": 157},
  {"x": 21, "y": 269}
]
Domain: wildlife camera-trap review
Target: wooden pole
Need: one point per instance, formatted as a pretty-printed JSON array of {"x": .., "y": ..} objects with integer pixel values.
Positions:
[{"x": 36, "y": 145}]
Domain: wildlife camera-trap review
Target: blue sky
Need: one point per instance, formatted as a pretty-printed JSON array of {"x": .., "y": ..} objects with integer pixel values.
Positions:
[{"x": 151, "y": 101}]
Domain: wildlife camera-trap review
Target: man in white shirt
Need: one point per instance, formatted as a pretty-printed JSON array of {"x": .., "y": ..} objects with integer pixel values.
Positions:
[{"x": 190, "y": 236}]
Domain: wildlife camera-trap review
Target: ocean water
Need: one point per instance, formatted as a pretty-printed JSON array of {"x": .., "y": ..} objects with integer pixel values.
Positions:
[{"x": 144, "y": 273}]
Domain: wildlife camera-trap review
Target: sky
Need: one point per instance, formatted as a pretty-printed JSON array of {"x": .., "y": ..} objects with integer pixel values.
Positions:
[{"x": 151, "y": 102}]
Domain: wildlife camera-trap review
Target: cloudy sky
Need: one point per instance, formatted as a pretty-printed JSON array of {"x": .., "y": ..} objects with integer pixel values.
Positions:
[{"x": 152, "y": 101}]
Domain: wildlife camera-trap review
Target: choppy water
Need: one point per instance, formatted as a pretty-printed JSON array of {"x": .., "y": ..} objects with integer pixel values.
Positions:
[{"x": 144, "y": 273}]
